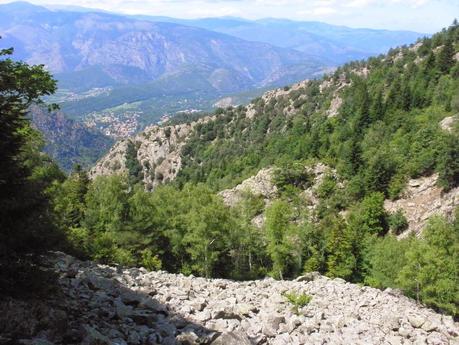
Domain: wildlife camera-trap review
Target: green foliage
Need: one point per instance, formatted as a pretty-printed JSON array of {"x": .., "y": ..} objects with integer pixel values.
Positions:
[
  {"x": 133, "y": 165},
  {"x": 106, "y": 204},
  {"x": 431, "y": 272},
  {"x": 297, "y": 300},
  {"x": 398, "y": 222},
  {"x": 425, "y": 269},
  {"x": 385, "y": 258},
  {"x": 26, "y": 175},
  {"x": 341, "y": 258},
  {"x": 369, "y": 217},
  {"x": 277, "y": 224},
  {"x": 448, "y": 161},
  {"x": 69, "y": 199},
  {"x": 327, "y": 187},
  {"x": 78, "y": 239},
  {"x": 445, "y": 59},
  {"x": 149, "y": 261}
]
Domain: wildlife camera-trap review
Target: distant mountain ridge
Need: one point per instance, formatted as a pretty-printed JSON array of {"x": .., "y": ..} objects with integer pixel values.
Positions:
[
  {"x": 151, "y": 66},
  {"x": 337, "y": 44},
  {"x": 232, "y": 54},
  {"x": 112, "y": 49}
]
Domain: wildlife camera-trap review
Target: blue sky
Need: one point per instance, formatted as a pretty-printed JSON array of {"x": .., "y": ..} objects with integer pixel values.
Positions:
[{"x": 418, "y": 15}]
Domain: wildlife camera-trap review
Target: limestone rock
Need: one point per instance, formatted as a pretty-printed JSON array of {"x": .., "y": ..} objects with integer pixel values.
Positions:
[
  {"x": 190, "y": 310},
  {"x": 158, "y": 152},
  {"x": 232, "y": 338},
  {"x": 421, "y": 200}
]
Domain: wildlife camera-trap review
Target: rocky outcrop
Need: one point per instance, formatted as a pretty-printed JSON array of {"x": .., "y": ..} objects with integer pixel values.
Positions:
[
  {"x": 263, "y": 185},
  {"x": 114, "y": 305},
  {"x": 337, "y": 101},
  {"x": 158, "y": 153},
  {"x": 448, "y": 123},
  {"x": 421, "y": 200},
  {"x": 318, "y": 173}
]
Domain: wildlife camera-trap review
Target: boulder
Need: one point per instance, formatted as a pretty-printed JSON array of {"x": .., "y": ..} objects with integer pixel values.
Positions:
[{"x": 232, "y": 338}]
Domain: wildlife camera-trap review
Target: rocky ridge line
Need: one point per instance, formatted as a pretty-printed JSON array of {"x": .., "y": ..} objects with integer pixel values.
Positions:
[{"x": 162, "y": 154}]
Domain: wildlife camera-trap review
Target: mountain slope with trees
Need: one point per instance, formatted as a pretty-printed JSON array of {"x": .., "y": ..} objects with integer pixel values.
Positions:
[
  {"x": 67, "y": 141},
  {"x": 376, "y": 122}
]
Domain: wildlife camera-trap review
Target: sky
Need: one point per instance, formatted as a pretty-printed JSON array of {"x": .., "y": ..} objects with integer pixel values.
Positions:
[{"x": 425, "y": 16}]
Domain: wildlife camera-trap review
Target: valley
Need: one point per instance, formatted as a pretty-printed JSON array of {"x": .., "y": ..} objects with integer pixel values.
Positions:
[
  {"x": 172, "y": 181},
  {"x": 165, "y": 66}
]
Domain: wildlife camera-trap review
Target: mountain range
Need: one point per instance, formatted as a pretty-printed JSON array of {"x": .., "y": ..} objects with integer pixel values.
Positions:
[
  {"x": 114, "y": 69},
  {"x": 329, "y": 43},
  {"x": 87, "y": 50}
]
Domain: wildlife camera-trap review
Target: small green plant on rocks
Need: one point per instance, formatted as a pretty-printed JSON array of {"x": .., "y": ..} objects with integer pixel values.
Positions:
[{"x": 297, "y": 300}]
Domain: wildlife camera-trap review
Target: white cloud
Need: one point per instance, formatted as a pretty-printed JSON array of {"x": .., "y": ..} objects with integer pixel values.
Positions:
[{"x": 319, "y": 11}]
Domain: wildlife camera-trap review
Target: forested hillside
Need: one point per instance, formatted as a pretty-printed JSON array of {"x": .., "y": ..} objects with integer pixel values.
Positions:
[
  {"x": 375, "y": 124},
  {"x": 69, "y": 142},
  {"x": 366, "y": 130}
]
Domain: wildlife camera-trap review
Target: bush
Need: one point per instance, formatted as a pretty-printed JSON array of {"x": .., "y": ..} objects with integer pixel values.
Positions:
[
  {"x": 398, "y": 222},
  {"x": 149, "y": 261},
  {"x": 298, "y": 300},
  {"x": 292, "y": 174}
]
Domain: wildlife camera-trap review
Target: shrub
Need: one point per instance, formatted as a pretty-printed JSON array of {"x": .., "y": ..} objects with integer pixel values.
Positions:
[
  {"x": 297, "y": 300},
  {"x": 149, "y": 261},
  {"x": 398, "y": 222},
  {"x": 292, "y": 174}
]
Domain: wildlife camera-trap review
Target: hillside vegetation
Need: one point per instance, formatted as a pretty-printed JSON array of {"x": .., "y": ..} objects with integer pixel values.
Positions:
[{"x": 375, "y": 124}]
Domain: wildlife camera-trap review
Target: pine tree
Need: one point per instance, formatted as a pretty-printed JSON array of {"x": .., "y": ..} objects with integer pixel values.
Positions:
[
  {"x": 277, "y": 223},
  {"x": 377, "y": 107},
  {"x": 25, "y": 174},
  {"x": 445, "y": 58},
  {"x": 341, "y": 261},
  {"x": 448, "y": 161}
]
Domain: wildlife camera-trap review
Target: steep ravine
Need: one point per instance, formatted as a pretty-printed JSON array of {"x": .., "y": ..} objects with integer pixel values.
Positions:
[{"x": 97, "y": 304}]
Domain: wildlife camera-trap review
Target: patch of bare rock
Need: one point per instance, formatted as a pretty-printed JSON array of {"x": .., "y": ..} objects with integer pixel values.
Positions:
[
  {"x": 115, "y": 305},
  {"x": 421, "y": 200},
  {"x": 261, "y": 184},
  {"x": 448, "y": 123}
]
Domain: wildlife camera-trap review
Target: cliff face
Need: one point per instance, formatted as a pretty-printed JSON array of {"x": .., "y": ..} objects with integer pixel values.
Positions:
[
  {"x": 158, "y": 152},
  {"x": 98, "y": 304}
]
